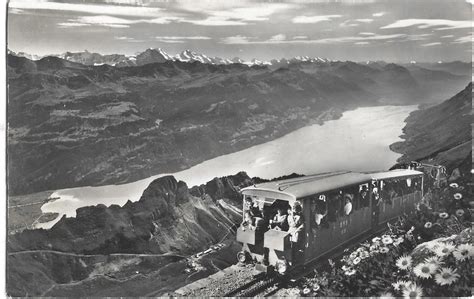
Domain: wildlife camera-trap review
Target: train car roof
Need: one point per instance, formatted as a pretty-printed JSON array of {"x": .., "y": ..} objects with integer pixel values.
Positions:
[
  {"x": 397, "y": 173},
  {"x": 293, "y": 189}
]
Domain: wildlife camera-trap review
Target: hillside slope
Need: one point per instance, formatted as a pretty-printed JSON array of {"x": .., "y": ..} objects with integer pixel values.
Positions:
[{"x": 439, "y": 134}]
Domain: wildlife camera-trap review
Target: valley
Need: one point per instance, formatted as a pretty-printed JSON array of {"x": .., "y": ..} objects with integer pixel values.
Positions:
[{"x": 77, "y": 125}]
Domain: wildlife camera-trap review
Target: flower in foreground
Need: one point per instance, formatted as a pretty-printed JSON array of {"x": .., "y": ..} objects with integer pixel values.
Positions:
[
  {"x": 412, "y": 291},
  {"x": 443, "y": 215},
  {"x": 387, "y": 240},
  {"x": 350, "y": 272},
  {"x": 404, "y": 262},
  {"x": 444, "y": 249},
  {"x": 306, "y": 291},
  {"x": 460, "y": 212},
  {"x": 316, "y": 287},
  {"x": 428, "y": 224},
  {"x": 384, "y": 250},
  {"x": 364, "y": 254},
  {"x": 399, "y": 285},
  {"x": 424, "y": 270},
  {"x": 453, "y": 185},
  {"x": 387, "y": 295},
  {"x": 457, "y": 195},
  {"x": 356, "y": 260},
  {"x": 464, "y": 251},
  {"x": 434, "y": 260},
  {"x": 446, "y": 276},
  {"x": 376, "y": 240}
]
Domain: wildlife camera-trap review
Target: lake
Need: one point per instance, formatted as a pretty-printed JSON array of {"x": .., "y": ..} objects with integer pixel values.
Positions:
[{"x": 358, "y": 141}]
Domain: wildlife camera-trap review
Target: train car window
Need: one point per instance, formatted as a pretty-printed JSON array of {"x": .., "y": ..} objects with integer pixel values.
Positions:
[
  {"x": 333, "y": 207},
  {"x": 320, "y": 211},
  {"x": 364, "y": 195}
]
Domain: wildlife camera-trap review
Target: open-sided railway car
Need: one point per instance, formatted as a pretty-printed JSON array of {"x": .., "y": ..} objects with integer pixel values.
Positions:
[{"x": 321, "y": 212}]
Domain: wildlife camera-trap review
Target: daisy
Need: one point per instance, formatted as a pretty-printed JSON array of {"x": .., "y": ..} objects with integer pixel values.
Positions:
[
  {"x": 453, "y": 185},
  {"x": 356, "y": 260},
  {"x": 424, "y": 270},
  {"x": 428, "y": 224},
  {"x": 457, "y": 196},
  {"x": 350, "y": 272},
  {"x": 460, "y": 212},
  {"x": 433, "y": 245},
  {"x": 316, "y": 287},
  {"x": 376, "y": 240},
  {"x": 384, "y": 250},
  {"x": 444, "y": 249},
  {"x": 464, "y": 251},
  {"x": 387, "y": 240},
  {"x": 306, "y": 291},
  {"x": 412, "y": 291},
  {"x": 399, "y": 285},
  {"x": 345, "y": 268},
  {"x": 446, "y": 276},
  {"x": 434, "y": 260},
  {"x": 353, "y": 255},
  {"x": 404, "y": 262},
  {"x": 386, "y": 295},
  {"x": 364, "y": 255},
  {"x": 443, "y": 215}
]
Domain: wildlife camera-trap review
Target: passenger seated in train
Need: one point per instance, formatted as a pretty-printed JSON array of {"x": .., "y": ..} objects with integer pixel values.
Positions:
[
  {"x": 262, "y": 218},
  {"x": 248, "y": 222},
  {"x": 295, "y": 222},
  {"x": 348, "y": 204},
  {"x": 320, "y": 210},
  {"x": 364, "y": 195},
  {"x": 280, "y": 221}
]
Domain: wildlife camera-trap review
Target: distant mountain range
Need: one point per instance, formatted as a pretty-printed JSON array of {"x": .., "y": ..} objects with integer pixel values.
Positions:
[
  {"x": 152, "y": 55},
  {"x": 72, "y": 124}
]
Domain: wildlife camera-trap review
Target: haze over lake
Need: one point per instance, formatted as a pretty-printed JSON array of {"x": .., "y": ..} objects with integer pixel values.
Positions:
[{"x": 358, "y": 141}]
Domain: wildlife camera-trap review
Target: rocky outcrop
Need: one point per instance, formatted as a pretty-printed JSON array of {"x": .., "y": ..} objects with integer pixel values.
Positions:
[
  {"x": 169, "y": 217},
  {"x": 439, "y": 134}
]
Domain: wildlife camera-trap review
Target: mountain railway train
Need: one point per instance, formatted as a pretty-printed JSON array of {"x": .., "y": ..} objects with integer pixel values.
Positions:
[{"x": 325, "y": 211}]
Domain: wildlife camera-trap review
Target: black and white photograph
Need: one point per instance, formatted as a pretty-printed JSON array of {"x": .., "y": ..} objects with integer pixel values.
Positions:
[{"x": 238, "y": 148}]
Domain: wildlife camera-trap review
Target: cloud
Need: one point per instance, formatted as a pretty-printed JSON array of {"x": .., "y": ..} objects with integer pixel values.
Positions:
[
  {"x": 300, "y": 37},
  {"x": 216, "y": 21},
  {"x": 236, "y": 16},
  {"x": 349, "y": 23},
  {"x": 365, "y": 20},
  {"x": 366, "y": 33},
  {"x": 72, "y": 25},
  {"x": 313, "y": 19},
  {"x": 379, "y": 14},
  {"x": 463, "y": 40},
  {"x": 244, "y": 40},
  {"x": 431, "y": 44},
  {"x": 447, "y": 36},
  {"x": 278, "y": 37},
  {"x": 180, "y": 39},
  {"x": 113, "y": 22},
  {"x": 429, "y": 23},
  {"x": 120, "y": 10},
  {"x": 123, "y": 38},
  {"x": 362, "y": 43}
]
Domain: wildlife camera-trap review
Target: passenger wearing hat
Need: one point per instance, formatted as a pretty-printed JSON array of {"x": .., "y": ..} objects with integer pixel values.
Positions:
[{"x": 295, "y": 222}]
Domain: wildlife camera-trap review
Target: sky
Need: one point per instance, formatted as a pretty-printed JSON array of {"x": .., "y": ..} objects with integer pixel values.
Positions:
[{"x": 357, "y": 30}]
